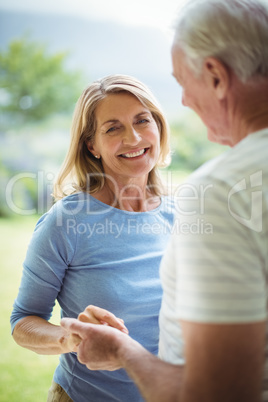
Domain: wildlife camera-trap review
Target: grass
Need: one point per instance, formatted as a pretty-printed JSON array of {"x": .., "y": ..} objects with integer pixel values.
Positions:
[{"x": 25, "y": 376}]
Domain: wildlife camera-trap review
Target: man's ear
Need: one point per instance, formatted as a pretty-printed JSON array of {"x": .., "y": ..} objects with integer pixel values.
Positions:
[{"x": 217, "y": 77}]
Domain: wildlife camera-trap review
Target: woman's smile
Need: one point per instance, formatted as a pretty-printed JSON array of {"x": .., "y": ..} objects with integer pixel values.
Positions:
[{"x": 134, "y": 154}]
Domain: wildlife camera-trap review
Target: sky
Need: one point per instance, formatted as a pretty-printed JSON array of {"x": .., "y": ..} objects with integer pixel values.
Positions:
[
  {"x": 160, "y": 14},
  {"x": 137, "y": 12}
]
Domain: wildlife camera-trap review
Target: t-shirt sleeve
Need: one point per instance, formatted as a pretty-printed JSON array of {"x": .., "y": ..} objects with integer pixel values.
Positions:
[
  {"x": 49, "y": 254},
  {"x": 220, "y": 255}
]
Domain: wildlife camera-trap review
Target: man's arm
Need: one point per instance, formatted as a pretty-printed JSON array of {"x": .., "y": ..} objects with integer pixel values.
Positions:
[
  {"x": 106, "y": 348},
  {"x": 224, "y": 362},
  {"x": 157, "y": 380}
]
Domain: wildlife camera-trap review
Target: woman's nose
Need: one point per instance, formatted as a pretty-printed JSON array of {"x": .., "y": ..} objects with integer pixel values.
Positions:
[{"x": 131, "y": 136}]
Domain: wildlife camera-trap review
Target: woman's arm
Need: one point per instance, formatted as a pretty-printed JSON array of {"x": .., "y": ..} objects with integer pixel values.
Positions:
[{"x": 42, "y": 337}]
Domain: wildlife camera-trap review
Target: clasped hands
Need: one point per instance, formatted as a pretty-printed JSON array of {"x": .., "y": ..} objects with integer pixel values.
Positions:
[{"x": 97, "y": 346}]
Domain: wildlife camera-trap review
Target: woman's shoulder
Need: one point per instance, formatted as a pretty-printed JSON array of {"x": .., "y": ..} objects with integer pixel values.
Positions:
[
  {"x": 76, "y": 202},
  {"x": 72, "y": 208},
  {"x": 66, "y": 207},
  {"x": 72, "y": 200},
  {"x": 168, "y": 203},
  {"x": 167, "y": 208}
]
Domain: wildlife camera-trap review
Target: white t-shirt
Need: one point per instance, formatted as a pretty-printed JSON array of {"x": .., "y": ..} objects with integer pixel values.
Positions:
[{"x": 215, "y": 267}]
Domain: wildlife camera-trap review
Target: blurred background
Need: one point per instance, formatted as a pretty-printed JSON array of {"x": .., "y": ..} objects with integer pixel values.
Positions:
[{"x": 49, "y": 51}]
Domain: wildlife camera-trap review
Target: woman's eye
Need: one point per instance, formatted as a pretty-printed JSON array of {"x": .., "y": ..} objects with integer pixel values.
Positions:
[
  {"x": 111, "y": 129},
  {"x": 143, "y": 121}
]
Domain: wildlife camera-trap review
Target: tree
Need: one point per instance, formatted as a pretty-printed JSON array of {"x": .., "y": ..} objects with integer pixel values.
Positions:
[{"x": 35, "y": 84}]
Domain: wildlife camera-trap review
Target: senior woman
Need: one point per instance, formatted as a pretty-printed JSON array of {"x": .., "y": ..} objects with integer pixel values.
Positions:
[{"x": 102, "y": 241}]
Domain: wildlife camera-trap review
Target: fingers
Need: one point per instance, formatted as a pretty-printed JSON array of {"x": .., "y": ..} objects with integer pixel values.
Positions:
[
  {"x": 76, "y": 339},
  {"x": 96, "y": 315},
  {"x": 74, "y": 327},
  {"x": 99, "y": 344}
]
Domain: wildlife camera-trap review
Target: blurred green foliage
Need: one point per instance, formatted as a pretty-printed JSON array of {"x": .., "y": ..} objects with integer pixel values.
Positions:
[
  {"x": 30, "y": 157},
  {"x": 37, "y": 97},
  {"x": 35, "y": 84},
  {"x": 36, "y": 87},
  {"x": 189, "y": 143}
]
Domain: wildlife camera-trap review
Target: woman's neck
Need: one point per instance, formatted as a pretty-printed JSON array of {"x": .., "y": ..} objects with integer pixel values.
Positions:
[{"x": 131, "y": 196}]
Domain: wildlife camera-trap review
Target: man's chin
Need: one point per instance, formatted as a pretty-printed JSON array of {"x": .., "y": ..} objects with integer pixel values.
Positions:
[
  {"x": 212, "y": 136},
  {"x": 218, "y": 138}
]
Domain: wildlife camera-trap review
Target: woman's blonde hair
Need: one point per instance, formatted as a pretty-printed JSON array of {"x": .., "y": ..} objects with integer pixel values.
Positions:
[{"x": 81, "y": 171}]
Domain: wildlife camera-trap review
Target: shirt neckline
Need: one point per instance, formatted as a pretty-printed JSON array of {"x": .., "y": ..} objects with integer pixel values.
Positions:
[{"x": 124, "y": 211}]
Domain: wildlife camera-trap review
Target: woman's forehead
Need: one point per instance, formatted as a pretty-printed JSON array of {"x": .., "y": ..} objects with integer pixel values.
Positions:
[{"x": 119, "y": 104}]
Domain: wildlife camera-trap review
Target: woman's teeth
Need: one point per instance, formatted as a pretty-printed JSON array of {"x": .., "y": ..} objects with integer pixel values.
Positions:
[{"x": 134, "y": 154}]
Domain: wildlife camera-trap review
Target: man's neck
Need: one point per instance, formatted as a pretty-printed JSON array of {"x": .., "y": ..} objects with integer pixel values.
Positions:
[{"x": 250, "y": 111}]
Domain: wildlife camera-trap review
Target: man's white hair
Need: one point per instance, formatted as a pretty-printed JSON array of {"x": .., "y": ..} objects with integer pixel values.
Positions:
[{"x": 233, "y": 31}]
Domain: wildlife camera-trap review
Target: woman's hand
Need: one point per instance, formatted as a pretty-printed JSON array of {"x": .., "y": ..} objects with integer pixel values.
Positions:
[
  {"x": 97, "y": 315},
  {"x": 100, "y": 345},
  {"x": 70, "y": 342},
  {"x": 92, "y": 315}
]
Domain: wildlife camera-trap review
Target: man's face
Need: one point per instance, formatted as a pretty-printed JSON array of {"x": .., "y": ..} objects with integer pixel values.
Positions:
[{"x": 199, "y": 95}]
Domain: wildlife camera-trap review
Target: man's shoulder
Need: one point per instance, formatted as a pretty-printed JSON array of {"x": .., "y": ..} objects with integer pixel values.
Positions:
[{"x": 245, "y": 159}]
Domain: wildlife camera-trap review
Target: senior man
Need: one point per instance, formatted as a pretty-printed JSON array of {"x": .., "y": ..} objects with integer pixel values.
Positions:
[{"x": 213, "y": 318}]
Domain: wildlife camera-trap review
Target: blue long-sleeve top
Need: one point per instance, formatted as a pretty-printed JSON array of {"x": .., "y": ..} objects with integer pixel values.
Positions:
[{"x": 85, "y": 252}]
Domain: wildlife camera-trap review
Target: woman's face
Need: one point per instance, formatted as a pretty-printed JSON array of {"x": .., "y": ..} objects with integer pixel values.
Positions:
[{"x": 127, "y": 137}]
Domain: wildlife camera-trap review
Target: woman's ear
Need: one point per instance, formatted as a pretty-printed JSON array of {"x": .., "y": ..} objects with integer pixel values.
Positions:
[
  {"x": 92, "y": 149},
  {"x": 217, "y": 77}
]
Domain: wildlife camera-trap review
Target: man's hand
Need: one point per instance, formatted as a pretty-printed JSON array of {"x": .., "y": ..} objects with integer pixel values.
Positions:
[
  {"x": 106, "y": 348},
  {"x": 99, "y": 345}
]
